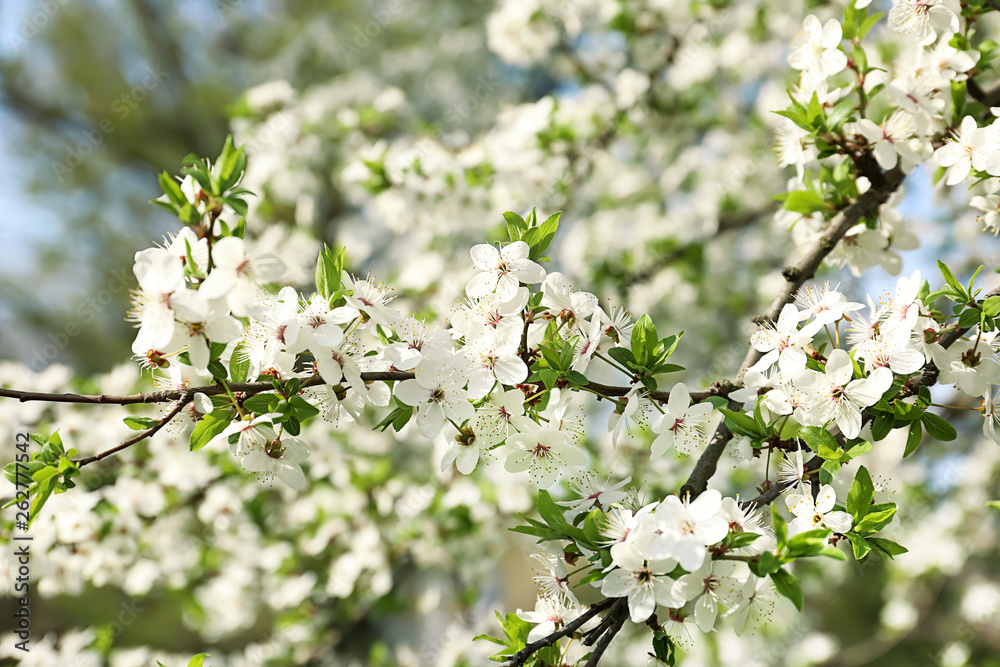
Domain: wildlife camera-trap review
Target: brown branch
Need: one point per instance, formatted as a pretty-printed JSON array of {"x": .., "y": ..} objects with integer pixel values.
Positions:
[
  {"x": 707, "y": 463},
  {"x": 142, "y": 436},
  {"x": 522, "y": 656},
  {"x": 883, "y": 185},
  {"x": 805, "y": 268},
  {"x": 615, "y": 620},
  {"x": 251, "y": 388}
]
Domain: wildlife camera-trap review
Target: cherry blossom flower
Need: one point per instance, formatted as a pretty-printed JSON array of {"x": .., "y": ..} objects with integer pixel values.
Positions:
[
  {"x": 970, "y": 365},
  {"x": 490, "y": 313},
  {"x": 815, "y": 50},
  {"x": 195, "y": 336},
  {"x": 783, "y": 342},
  {"x": 627, "y": 411},
  {"x": 891, "y": 349},
  {"x": 833, "y": 396},
  {"x": 493, "y": 358},
  {"x": 503, "y": 411},
  {"x": 891, "y": 139},
  {"x": 646, "y": 584},
  {"x": 991, "y": 414},
  {"x": 756, "y": 604},
  {"x": 923, "y": 18},
  {"x": 281, "y": 458},
  {"x": 823, "y": 304},
  {"x": 564, "y": 304},
  {"x": 544, "y": 452},
  {"x": 370, "y": 300},
  {"x": 319, "y": 324},
  {"x": 502, "y": 270},
  {"x": 553, "y": 580},
  {"x": 437, "y": 395},
  {"x": 681, "y": 424},
  {"x": 819, "y": 514},
  {"x": 549, "y": 614},
  {"x": 990, "y": 206},
  {"x": 712, "y": 584},
  {"x": 594, "y": 492},
  {"x": 682, "y": 529},
  {"x": 970, "y": 147},
  {"x": 162, "y": 295},
  {"x": 237, "y": 276},
  {"x": 254, "y": 433}
]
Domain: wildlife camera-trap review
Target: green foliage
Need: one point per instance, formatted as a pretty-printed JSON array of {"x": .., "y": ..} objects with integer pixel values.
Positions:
[{"x": 47, "y": 471}]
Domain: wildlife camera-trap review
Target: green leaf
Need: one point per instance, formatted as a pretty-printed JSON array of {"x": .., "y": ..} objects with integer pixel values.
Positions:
[
  {"x": 995, "y": 504},
  {"x": 217, "y": 370},
  {"x": 229, "y": 168},
  {"x": 302, "y": 408},
  {"x": 593, "y": 526},
  {"x": 859, "y": 498},
  {"x": 875, "y": 521},
  {"x": 140, "y": 423},
  {"x": 805, "y": 202},
  {"x": 887, "y": 547},
  {"x": 857, "y": 450},
  {"x": 545, "y": 233},
  {"x": 938, "y": 428},
  {"x": 239, "y": 364},
  {"x": 869, "y": 23},
  {"x": 329, "y": 267},
  {"x": 809, "y": 543},
  {"x": 198, "y": 660},
  {"x": 644, "y": 340},
  {"x": 969, "y": 318},
  {"x": 623, "y": 356},
  {"x": 664, "y": 649},
  {"x": 210, "y": 426},
  {"x": 860, "y": 545},
  {"x": 740, "y": 540},
  {"x": 991, "y": 306},
  {"x": 949, "y": 278},
  {"x": 766, "y": 564},
  {"x": 788, "y": 585},
  {"x": 780, "y": 527},
  {"x": 821, "y": 442},
  {"x": 741, "y": 424},
  {"x": 883, "y": 425},
  {"x": 261, "y": 404},
  {"x": 171, "y": 188},
  {"x": 913, "y": 438},
  {"x": 516, "y": 226},
  {"x": 828, "y": 471}
]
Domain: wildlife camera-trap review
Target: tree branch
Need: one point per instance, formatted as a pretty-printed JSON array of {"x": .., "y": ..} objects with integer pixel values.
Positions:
[
  {"x": 805, "y": 268},
  {"x": 522, "y": 656},
  {"x": 252, "y": 388},
  {"x": 142, "y": 436},
  {"x": 615, "y": 620}
]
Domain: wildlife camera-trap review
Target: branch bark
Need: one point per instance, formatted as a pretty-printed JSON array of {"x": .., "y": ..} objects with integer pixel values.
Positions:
[{"x": 522, "y": 656}]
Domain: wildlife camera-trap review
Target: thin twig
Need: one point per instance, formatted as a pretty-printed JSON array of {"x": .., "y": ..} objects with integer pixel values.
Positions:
[
  {"x": 251, "y": 388},
  {"x": 618, "y": 614},
  {"x": 142, "y": 436},
  {"x": 521, "y": 656}
]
